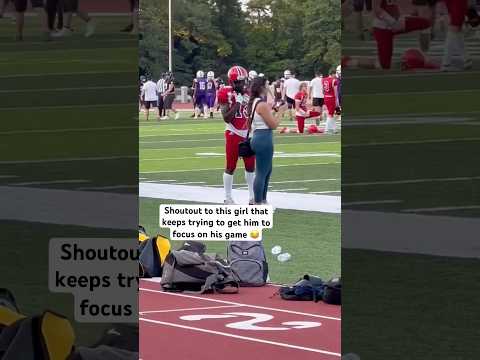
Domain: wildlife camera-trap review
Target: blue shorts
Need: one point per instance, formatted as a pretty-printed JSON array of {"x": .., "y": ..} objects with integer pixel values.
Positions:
[
  {"x": 200, "y": 100},
  {"x": 211, "y": 100}
]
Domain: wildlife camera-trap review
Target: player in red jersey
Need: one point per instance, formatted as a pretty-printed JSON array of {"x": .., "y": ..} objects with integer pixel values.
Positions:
[
  {"x": 455, "y": 39},
  {"x": 413, "y": 59},
  {"x": 301, "y": 110},
  {"x": 331, "y": 100},
  {"x": 233, "y": 102},
  {"x": 388, "y": 22}
]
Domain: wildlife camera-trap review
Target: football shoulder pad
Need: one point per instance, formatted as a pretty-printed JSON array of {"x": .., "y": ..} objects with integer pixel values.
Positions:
[{"x": 224, "y": 95}]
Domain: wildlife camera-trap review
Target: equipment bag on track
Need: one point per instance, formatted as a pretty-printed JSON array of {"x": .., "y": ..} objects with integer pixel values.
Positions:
[
  {"x": 332, "y": 293},
  {"x": 312, "y": 288},
  {"x": 45, "y": 337},
  {"x": 152, "y": 253},
  {"x": 198, "y": 272},
  {"x": 248, "y": 262}
]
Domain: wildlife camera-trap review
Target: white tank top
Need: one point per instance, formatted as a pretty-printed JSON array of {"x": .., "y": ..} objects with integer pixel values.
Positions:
[{"x": 257, "y": 121}]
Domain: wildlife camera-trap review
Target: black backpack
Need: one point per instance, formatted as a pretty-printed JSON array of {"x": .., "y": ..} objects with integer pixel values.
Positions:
[
  {"x": 313, "y": 288},
  {"x": 332, "y": 293}
]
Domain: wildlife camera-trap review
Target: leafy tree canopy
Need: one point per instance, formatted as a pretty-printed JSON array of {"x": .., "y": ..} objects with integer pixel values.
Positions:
[{"x": 266, "y": 35}]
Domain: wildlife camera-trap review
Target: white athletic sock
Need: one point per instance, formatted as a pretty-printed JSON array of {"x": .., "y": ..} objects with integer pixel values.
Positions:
[
  {"x": 332, "y": 124},
  {"x": 227, "y": 185},
  {"x": 449, "y": 49},
  {"x": 250, "y": 178},
  {"x": 328, "y": 123},
  {"x": 462, "y": 50}
]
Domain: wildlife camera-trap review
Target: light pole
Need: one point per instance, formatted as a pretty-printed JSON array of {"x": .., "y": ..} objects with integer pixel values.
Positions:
[{"x": 170, "y": 67}]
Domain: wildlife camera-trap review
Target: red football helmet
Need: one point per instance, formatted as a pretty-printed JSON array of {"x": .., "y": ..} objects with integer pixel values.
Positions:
[
  {"x": 237, "y": 73},
  {"x": 312, "y": 129}
]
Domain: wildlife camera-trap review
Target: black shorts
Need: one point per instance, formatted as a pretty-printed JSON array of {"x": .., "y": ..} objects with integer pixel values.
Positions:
[
  {"x": 317, "y": 101},
  {"x": 168, "y": 101},
  {"x": 160, "y": 102},
  {"x": 133, "y": 5},
  {"x": 70, "y": 6},
  {"x": 290, "y": 102},
  {"x": 150, "y": 104},
  {"x": 360, "y": 5},
  {"x": 424, "y": 2},
  {"x": 21, "y": 5}
]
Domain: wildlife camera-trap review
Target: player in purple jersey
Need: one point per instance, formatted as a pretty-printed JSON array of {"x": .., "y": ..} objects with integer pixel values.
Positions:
[
  {"x": 211, "y": 92},
  {"x": 201, "y": 94}
]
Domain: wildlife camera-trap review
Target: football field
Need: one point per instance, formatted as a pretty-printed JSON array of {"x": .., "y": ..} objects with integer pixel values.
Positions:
[
  {"x": 67, "y": 111},
  {"x": 408, "y": 150},
  {"x": 187, "y": 155}
]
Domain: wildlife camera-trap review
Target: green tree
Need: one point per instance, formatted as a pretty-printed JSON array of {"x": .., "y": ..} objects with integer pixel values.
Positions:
[{"x": 266, "y": 35}]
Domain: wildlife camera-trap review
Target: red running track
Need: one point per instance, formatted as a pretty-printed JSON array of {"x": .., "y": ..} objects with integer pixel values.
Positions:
[{"x": 252, "y": 323}]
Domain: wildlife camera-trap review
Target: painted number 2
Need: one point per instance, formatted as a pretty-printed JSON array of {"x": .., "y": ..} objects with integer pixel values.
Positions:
[{"x": 254, "y": 322}]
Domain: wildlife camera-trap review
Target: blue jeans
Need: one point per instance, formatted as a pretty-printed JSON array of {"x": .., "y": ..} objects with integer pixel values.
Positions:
[{"x": 262, "y": 144}]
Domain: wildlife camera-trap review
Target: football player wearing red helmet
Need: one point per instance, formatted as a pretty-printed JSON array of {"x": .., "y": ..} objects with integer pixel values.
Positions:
[
  {"x": 388, "y": 23},
  {"x": 233, "y": 102},
  {"x": 413, "y": 59}
]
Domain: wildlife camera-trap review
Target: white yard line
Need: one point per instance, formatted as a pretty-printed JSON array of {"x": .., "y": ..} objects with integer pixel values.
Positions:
[
  {"x": 442, "y": 208},
  {"x": 47, "y": 161},
  {"x": 406, "y": 121},
  {"x": 203, "y": 194},
  {"x": 212, "y": 155},
  {"x": 326, "y": 192},
  {"x": 293, "y": 189},
  {"x": 112, "y": 187},
  {"x": 30, "y": 183},
  {"x": 191, "y": 183},
  {"x": 443, "y": 113},
  {"x": 55, "y": 131},
  {"x": 223, "y": 168},
  {"x": 426, "y": 141},
  {"x": 219, "y": 146},
  {"x": 176, "y": 141},
  {"x": 371, "y": 202},
  {"x": 280, "y": 182},
  {"x": 411, "y": 181},
  {"x": 298, "y": 181}
]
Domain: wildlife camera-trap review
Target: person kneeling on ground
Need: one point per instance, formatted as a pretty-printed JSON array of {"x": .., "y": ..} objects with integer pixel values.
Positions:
[{"x": 301, "y": 111}]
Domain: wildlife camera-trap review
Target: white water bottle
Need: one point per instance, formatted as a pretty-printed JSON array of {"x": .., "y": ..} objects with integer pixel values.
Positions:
[
  {"x": 277, "y": 250},
  {"x": 284, "y": 257}
]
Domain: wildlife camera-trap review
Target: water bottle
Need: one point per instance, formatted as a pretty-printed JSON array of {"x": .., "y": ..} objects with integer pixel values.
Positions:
[
  {"x": 284, "y": 257},
  {"x": 276, "y": 250}
]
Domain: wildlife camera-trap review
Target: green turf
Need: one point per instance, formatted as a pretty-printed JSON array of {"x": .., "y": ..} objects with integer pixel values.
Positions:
[
  {"x": 421, "y": 165},
  {"x": 404, "y": 306},
  {"x": 312, "y": 239},
  {"x": 68, "y": 110},
  {"x": 399, "y": 306},
  {"x": 192, "y": 151}
]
